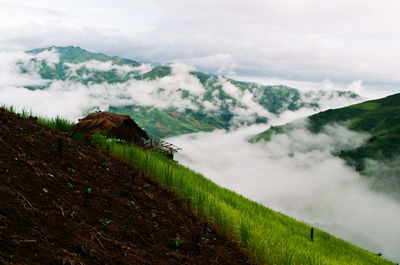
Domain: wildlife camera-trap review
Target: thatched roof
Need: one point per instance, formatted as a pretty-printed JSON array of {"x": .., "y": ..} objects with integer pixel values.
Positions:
[{"x": 114, "y": 125}]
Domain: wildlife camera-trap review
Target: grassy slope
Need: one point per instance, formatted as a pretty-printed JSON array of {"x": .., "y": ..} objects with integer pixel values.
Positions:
[{"x": 271, "y": 237}]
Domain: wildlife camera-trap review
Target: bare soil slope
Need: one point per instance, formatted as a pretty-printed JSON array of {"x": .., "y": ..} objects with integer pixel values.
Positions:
[{"x": 64, "y": 202}]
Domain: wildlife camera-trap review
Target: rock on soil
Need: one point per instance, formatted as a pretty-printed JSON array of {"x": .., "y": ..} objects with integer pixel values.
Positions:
[{"x": 65, "y": 202}]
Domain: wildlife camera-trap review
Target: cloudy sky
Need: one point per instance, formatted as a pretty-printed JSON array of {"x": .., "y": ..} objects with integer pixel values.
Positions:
[{"x": 304, "y": 40}]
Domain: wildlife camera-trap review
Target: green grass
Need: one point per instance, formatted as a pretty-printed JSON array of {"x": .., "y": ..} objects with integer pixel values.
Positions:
[
  {"x": 57, "y": 123},
  {"x": 367, "y": 105},
  {"x": 270, "y": 237}
]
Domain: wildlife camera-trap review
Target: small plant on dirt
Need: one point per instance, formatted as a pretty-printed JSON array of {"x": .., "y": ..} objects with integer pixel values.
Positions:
[
  {"x": 204, "y": 240},
  {"x": 134, "y": 205},
  {"x": 177, "y": 241},
  {"x": 89, "y": 193},
  {"x": 106, "y": 222},
  {"x": 154, "y": 213},
  {"x": 70, "y": 185}
]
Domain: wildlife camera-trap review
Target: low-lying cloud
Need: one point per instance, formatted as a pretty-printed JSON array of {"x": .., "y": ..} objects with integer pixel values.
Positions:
[
  {"x": 297, "y": 174},
  {"x": 107, "y": 66},
  {"x": 74, "y": 97}
]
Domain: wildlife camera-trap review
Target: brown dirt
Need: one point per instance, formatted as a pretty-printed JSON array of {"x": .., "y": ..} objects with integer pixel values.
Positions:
[{"x": 47, "y": 215}]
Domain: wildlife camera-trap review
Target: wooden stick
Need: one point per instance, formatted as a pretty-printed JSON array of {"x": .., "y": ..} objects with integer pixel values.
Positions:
[{"x": 312, "y": 234}]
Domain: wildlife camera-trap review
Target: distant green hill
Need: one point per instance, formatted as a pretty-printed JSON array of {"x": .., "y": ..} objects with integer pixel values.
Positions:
[
  {"x": 223, "y": 104},
  {"x": 76, "y": 55},
  {"x": 381, "y": 119},
  {"x": 72, "y": 54}
]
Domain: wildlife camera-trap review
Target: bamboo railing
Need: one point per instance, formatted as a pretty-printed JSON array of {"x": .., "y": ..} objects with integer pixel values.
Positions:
[{"x": 161, "y": 146}]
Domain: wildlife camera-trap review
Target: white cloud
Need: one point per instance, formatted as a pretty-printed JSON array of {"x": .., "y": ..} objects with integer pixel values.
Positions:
[
  {"x": 229, "y": 88},
  {"x": 50, "y": 56},
  {"x": 107, "y": 66},
  {"x": 247, "y": 106},
  {"x": 10, "y": 70},
  {"x": 327, "y": 85},
  {"x": 73, "y": 99},
  {"x": 57, "y": 100},
  {"x": 220, "y": 63}
]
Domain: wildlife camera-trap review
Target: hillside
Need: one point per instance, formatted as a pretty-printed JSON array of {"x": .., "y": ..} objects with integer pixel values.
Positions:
[
  {"x": 66, "y": 202},
  {"x": 377, "y": 157},
  {"x": 131, "y": 222},
  {"x": 166, "y": 100}
]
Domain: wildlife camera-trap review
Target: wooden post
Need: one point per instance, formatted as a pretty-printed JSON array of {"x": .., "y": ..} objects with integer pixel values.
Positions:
[{"x": 312, "y": 234}]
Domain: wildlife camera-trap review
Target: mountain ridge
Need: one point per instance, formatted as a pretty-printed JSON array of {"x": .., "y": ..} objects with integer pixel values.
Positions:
[{"x": 181, "y": 99}]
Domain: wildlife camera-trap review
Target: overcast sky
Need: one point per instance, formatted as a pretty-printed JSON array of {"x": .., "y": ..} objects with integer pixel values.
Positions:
[{"x": 303, "y": 40}]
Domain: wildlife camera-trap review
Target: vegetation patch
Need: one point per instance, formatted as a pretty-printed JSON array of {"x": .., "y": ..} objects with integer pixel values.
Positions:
[{"x": 367, "y": 105}]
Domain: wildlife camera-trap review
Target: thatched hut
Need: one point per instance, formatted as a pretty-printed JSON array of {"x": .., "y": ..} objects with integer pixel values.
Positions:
[{"x": 113, "y": 125}]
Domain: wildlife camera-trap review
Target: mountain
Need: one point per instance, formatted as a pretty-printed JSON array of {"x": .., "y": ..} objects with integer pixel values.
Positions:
[
  {"x": 165, "y": 100},
  {"x": 378, "y": 156}
]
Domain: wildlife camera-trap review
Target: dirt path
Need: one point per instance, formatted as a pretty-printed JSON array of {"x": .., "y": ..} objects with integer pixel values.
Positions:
[{"x": 78, "y": 206}]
